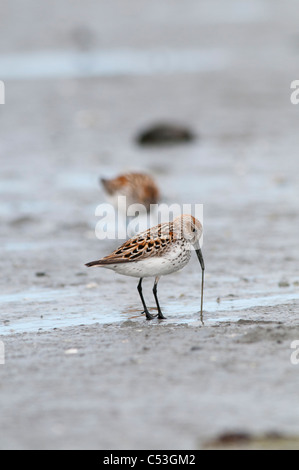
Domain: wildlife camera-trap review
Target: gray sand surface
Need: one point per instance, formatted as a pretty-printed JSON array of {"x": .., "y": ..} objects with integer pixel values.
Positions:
[{"x": 83, "y": 368}]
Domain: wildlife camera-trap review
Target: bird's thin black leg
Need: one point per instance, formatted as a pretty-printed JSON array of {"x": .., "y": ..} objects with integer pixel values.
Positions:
[
  {"x": 160, "y": 314},
  {"x": 139, "y": 288}
]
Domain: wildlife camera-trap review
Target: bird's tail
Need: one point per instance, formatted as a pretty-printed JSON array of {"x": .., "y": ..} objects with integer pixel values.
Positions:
[
  {"x": 108, "y": 185},
  {"x": 94, "y": 263}
]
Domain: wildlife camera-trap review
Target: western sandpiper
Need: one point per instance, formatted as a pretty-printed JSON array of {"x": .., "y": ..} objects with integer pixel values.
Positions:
[
  {"x": 138, "y": 188},
  {"x": 158, "y": 251}
]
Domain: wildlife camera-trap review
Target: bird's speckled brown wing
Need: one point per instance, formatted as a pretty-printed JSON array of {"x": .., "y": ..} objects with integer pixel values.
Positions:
[{"x": 153, "y": 242}]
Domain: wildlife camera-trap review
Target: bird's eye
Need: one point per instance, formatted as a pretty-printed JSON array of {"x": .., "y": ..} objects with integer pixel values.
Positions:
[{"x": 193, "y": 229}]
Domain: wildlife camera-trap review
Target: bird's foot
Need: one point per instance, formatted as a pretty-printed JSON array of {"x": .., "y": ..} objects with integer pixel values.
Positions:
[
  {"x": 161, "y": 316},
  {"x": 149, "y": 316}
]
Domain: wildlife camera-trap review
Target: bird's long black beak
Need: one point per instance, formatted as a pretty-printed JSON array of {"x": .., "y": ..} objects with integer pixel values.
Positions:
[
  {"x": 200, "y": 258},
  {"x": 202, "y": 264}
]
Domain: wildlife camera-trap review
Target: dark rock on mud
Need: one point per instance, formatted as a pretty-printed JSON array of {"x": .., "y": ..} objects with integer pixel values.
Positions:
[{"x": 165, "y": 133}]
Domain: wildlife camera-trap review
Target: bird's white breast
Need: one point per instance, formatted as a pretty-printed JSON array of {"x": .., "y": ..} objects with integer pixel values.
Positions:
[{"x": 172, "y": 260}]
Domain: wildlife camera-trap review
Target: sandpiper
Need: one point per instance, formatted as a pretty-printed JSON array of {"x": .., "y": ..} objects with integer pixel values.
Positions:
[
  {"x": 156, "y": 252},
  {"x": 138, "y": 188}
]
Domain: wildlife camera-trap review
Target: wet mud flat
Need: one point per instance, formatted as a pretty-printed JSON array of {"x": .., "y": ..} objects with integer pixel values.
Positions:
[
  {"x": 82, "y": 372},
  {"x": 148, "y": 386},
  {"x": 83, "y": 368}
]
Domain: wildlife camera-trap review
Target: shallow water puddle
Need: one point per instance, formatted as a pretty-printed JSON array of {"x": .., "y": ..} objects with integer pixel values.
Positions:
[
  {"x": 69, "y": 64},
  {"x": 37, "y": 310},
  {"x": 40, "y": 296},
  {"x": 234, "y": 306}
]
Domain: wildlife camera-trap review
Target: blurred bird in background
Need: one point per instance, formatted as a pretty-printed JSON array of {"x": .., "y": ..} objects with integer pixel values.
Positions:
[{"x": 138, "y": 188}]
